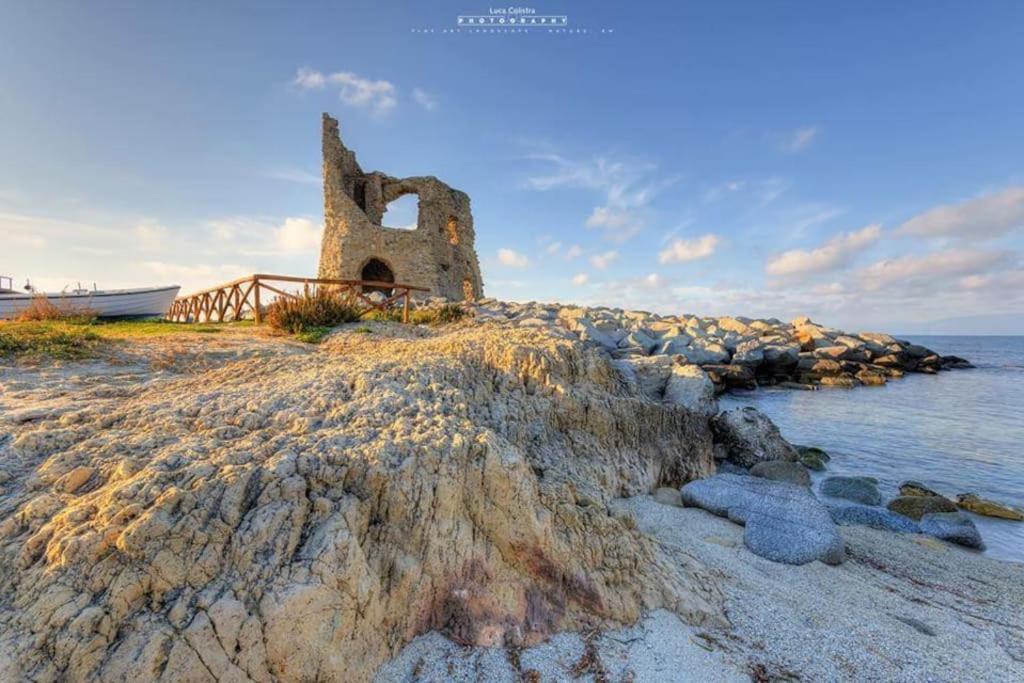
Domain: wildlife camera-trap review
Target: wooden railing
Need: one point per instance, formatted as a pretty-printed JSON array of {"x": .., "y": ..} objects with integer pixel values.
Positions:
[{"x": 230, "y": 300}]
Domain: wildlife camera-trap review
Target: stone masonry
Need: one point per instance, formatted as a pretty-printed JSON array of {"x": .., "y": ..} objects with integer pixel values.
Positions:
[{"x": 438, "y": 254}]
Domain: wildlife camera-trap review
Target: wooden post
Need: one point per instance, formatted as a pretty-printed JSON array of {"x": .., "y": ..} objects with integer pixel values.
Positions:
[
  {"x": 256, "y": 294},
  {"x": 405, "y": 307}
]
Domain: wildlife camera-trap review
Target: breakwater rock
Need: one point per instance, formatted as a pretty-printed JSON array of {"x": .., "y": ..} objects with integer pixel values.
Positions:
[{"x": 735, "y": 352}]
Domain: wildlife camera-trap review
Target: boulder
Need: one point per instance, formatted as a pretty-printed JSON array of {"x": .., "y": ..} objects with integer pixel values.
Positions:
[
  {"x": 749, "y": 353},
  {"x": 668, "y": 496},
  {"x": 672, "y": 346},
  {"x": 870, "y": 378},
  {"x": 639, "y": 338},
  {"x": 876, "y": 517},
  {"x": 784, "y": 522},
  {"x": 702, "y": 351},
  {"x": 832, "y": 352},
  {"x": 917, "y": 507},
  {"x": 750, "y": 437},
  {"x": 690, "y": 387},
  {"x": 731, "y": 376},
  {"x": 862, "y": 490},
  {"x": 812, "y": 458},
  {"x": 987, "y": 508},
  {"x": 781, "y": 355},
  {"x": 782, "y": 470},
  {"x": 841, "y": 382},
  {"x": 916, "y": 488},
  {"x": 849, "y": 342},
  {"x": 651, "y": 373},
  {"x": 954, "y": 527}
]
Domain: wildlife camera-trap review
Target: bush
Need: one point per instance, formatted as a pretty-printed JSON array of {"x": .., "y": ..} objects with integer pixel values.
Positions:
[
  {"x": 448, "y": 313},
  {"x": 323, "y": 308},
  {"x": 47, "y": 339},
  {"x": 42, "y": 309}
]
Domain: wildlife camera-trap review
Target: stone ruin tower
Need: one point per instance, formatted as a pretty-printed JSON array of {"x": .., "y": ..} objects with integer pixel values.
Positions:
[{"x": 438, "y": 254}]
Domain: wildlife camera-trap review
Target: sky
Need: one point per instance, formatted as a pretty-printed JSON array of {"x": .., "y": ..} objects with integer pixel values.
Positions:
[{"x": 861, "y": 163}]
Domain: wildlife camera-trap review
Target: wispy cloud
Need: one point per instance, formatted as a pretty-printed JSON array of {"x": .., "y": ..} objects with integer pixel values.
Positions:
[
  {"x": 991, "y": 215},
  {"x": 799, "y": 139},
  {"x": 294, "y": 175},
  {"x": 834, "y": 254},
  {"x": 377, "y": 96},
  {"x": 602, "y": 261},
  {"x": 580, "y": 279},
  {"x": 424, "y": 99},
  {"x": 927, "y": 269},
  {"x": 682, "y": 250}
]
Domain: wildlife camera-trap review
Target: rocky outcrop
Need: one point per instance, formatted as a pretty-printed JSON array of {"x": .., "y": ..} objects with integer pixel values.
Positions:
[
  {"x": 305, "y": 516},
  {"x": 736, "y": 352}
]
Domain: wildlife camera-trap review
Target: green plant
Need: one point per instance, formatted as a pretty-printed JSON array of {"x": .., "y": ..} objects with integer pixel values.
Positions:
[
  {"x": 322, "y": 308},
  {"x": 448, "y": 313},
  {"x": 313, "y": 335},
  {"x": 60, "y": 340},
  {"x": 363, "y": 329}
]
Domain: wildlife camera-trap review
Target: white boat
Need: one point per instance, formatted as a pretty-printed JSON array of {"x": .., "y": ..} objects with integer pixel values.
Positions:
[{"x": 105, "y": 303}]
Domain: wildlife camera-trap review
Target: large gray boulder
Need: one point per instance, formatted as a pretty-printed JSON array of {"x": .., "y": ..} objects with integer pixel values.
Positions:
[
  {"x": 784, "y": 522},
  {"x": 782, "y": 470},
  {"x": 954, "y": 527},
  {"x": 704, "y": 351},
  {"x": 651, "y": 374},
  {"x": 749, "y": 353},
  {"x": 690, "y": 387},
  {"x": 750, "y": 437}
]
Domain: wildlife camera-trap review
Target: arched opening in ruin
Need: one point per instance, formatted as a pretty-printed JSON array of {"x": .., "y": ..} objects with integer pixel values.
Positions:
[
  {"x": 377, "y": 270},
  {"x": 402, "y": 213},
  {"x": 453, "y": 230}
]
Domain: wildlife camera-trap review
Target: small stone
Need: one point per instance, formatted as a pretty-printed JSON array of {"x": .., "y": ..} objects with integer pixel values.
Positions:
[
  {"x": 862, "y": 490},
  {"x": 954, "y": 527},
  {"x": 813, "y": 458},
  {"x": 781, "y": 470},
  {"x": 916, "y": 507},
  {"x": 916, "y": 488},
  {"x": 987, "y": 508},
  {"x": 73, "y": 480},
  {"x": 668, "y": 496}
]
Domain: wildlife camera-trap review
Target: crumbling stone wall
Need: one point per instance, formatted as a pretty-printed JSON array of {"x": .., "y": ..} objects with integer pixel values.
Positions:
[{"x": 439, "y": 254}]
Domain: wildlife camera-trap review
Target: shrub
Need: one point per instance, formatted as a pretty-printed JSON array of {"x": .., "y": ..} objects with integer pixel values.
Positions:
[
  {"x": 322, "y": 308},
  {"x": 41, "y": 308},
  {"x": 448, "y": 313},
  {"x": 47, "y": 339}
]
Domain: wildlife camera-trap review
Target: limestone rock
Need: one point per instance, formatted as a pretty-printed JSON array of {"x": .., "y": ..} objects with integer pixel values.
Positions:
[
  {"x": 304, "y": 517},
  {"x": 750, "y": 437},
  {"x": 916, "y": 488},
  {"x": 689, "y": 386},
  {"x": 876, "y": 517},
  {"x": 812, "y": 457}
]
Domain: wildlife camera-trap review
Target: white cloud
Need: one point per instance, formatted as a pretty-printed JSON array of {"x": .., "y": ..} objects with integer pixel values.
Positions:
[
  {"x": 553, "y": 248},
  {"x": 992, "y": 215},
  {"x": 424, "y": 99},
  {"x": 297, "y": 235},
  {"x": 353, "y": 90},
  {"x": 681, "y": 251},
  {"x": 294, "y": 175},
  {"x": 799, "y": 139},
  {"x": 618, "y": 225},
  {"x": 512, "y": 258},
  {"x": 580, "y": 279},
  {"x": 654, "y": 281},
  {"x": 574, "y": 251},
  {"x": 835, "y": 253},
  {"x": 602, "y": 261},
  {"x": 928, "y": 269}
]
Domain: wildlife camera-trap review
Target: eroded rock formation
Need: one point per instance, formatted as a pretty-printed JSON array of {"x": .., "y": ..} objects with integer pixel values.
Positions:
[{"x": 305, "y": 516}]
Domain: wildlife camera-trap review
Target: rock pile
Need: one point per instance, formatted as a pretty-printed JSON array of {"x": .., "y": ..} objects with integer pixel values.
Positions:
[{"x": 735, "y": 352}]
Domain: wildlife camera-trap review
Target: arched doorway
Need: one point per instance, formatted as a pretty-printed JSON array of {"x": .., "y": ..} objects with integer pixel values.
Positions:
[{"x": 376, "y": 270}]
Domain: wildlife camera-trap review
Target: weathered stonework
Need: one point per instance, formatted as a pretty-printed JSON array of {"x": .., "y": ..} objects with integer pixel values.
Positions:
[{"x": 438, "y": 254}]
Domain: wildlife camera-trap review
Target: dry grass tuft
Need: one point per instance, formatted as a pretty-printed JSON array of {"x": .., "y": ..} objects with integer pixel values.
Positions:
[
  {"x": 42, "y": 309},
  {"x": 320, "y": 309}
]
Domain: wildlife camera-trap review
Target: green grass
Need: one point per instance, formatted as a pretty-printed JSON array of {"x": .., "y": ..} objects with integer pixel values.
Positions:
[
  {"x": 313, "y": 335},
  {"x": 50, "y": 339},
  {"x": 81, "y": 337}
]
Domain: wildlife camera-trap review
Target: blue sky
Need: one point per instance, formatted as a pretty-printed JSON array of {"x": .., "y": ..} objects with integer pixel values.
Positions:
[{"x": 858, "y": 162}]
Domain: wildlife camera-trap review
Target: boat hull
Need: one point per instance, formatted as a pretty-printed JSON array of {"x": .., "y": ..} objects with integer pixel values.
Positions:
[{"x": 123, "y": 303}]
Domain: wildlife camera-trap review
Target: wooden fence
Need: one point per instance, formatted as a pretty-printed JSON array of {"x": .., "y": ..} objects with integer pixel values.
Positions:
[{"x": 230, "y": 300}]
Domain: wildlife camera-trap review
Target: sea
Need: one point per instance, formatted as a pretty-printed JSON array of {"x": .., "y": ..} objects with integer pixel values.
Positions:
[{"x": 956, "y": 432}]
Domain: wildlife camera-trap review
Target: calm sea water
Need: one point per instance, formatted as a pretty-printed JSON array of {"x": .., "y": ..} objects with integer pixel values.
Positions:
[{"x": 958, "y": 431}]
